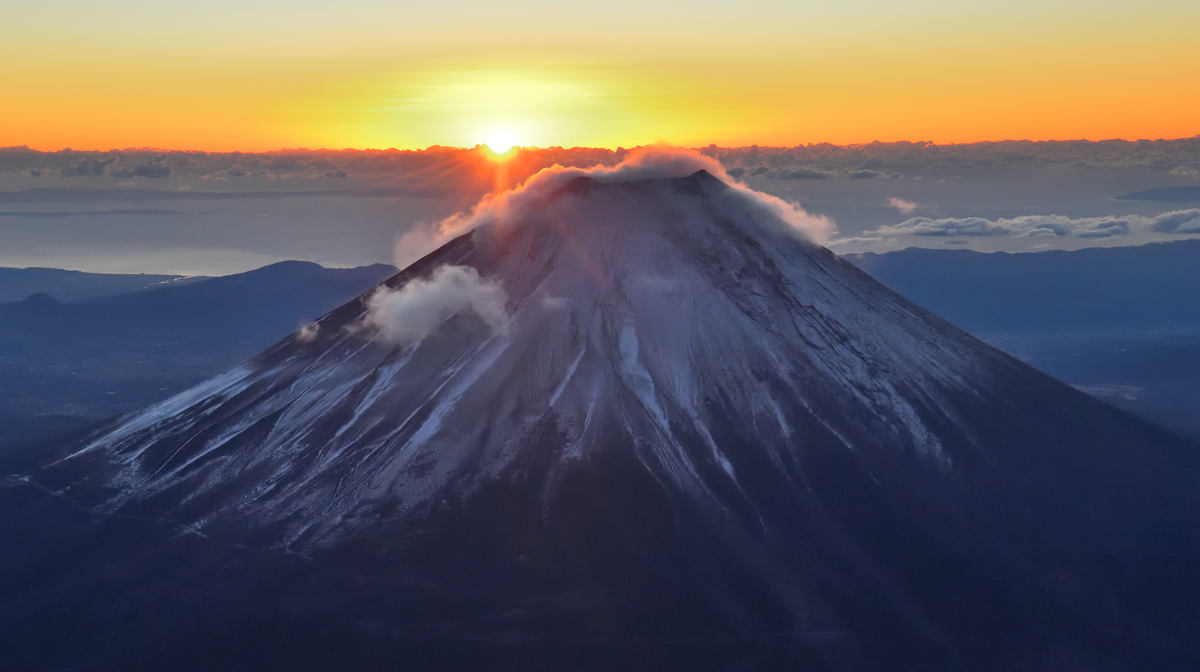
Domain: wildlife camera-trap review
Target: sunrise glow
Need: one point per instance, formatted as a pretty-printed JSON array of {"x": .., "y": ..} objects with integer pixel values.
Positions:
[
  {"x": 632, "y": 73},
  {"x": 500, "y": 144}
]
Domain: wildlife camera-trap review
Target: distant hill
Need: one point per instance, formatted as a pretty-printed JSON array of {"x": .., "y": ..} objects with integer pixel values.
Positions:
[
  {"x": 63, "y": 365},
  {"x": 69, "y": 286},
  {"x": 247, "y": 308}
]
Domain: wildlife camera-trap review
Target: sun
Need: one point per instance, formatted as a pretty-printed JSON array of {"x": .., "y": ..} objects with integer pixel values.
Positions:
[{"x": 500, "y": 143}]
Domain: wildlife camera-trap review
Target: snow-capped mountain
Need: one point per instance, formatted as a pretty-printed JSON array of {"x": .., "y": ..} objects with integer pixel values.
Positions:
[
  {"x": 652, "y": 410},
  {"x": 645, "y": 317}
]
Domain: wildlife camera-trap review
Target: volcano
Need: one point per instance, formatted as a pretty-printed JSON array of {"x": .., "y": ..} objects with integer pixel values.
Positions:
[{"x": 685, "y": 437}]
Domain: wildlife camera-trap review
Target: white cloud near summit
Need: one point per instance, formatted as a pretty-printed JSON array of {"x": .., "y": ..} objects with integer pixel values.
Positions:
[
  {"x": 1030, "y": 226},
  {"x": 412, "y": 312},
  {"x": 643, "y": 163}
]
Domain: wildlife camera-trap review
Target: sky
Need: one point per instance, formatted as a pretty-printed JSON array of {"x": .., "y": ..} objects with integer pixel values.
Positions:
[{"x": 254, "y": 75}]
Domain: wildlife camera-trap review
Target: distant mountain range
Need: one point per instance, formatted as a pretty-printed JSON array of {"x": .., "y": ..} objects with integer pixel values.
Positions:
[
  {"x": 1121, "y": 323},
  {"x": 70, "y": 286},
  {"x": 65, "y": 365}
]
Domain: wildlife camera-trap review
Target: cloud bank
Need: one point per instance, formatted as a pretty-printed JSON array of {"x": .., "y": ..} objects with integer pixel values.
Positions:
[
  {"x": 1029, "y": 226},
  {"x": 408, "y": 314},
  {"x": 444, "y": 169},
  {"x": 1180, "y": 221},
  {"x": 1181, "y": 157},
  {"x": 155, "y": 168},
  {"x": 644, "y": 163}
]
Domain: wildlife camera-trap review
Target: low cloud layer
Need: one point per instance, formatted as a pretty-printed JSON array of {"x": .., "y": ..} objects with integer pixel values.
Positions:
[
  {"x": 1180, "y": 157},
  {"x": 408, "y": 314},
  {"x": 156, "y": 167},
  {"x": 449, "y": 168},
  {"x": 86, "y": 167},
  {"x": 809, "y": 173},
  {"x": 644, "y": 163},
  {"x": 1181, "y": 221}
]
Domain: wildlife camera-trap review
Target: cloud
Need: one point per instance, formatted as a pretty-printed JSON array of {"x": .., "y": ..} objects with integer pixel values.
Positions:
[
  {"x": 1031, "y": 226},
  {"x": 86, "y": 167},
  {"x": 1180, "y": 156},
  {"x": 797, "y": 174},
  {"x": 1017, "y": 227},
  {"x": 412, "y": 312},
  {"x": 801, "y": 173},
  {"x": 867, "y": 174},
  {"x": 308, "y": 333},
  {"x": 811, "y": 173},
  {"x": 155, "y": 168},
  {"x": 436, "y": 166},
  {"x": 905, "y": 207},
  {"x": 425, "y": 237},
  {"x": 1180, "y": 221},
  {"x": 643, "y": 163}
]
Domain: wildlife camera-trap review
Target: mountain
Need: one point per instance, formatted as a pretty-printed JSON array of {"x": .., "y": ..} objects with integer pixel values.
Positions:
[
  {"x": 1122, "y": 323},
  {"x": 687, "y": 439},
  {"x": 274, "y": 300},
  {"x": 66, "y": 365},
  {"x": 18, "y": 283}
]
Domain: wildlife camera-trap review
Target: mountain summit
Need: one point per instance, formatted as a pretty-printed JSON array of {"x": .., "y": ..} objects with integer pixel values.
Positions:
[{"x": 627, "y": 420}]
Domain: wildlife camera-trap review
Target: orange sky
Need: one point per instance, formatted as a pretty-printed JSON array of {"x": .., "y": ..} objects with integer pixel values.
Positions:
[{"x": 260, "y": 75}]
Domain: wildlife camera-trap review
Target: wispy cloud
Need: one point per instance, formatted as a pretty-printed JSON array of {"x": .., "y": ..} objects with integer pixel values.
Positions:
[
  {"x": 1180, "y": 221},
  {"x": 412, "y": 312},
  {"x": 905, "y": 207},
  {"x": 1029, "y": 226}
]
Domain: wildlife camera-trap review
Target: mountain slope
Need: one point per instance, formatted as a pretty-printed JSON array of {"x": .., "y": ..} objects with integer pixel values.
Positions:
[{"x": 694, "y": 426}]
